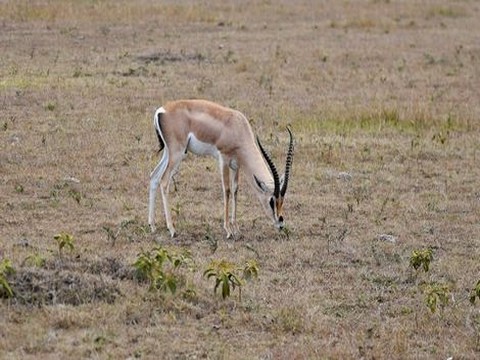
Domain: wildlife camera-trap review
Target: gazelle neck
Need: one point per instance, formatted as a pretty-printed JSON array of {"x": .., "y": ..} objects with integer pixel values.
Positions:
[{"x": 254, "y": 166}]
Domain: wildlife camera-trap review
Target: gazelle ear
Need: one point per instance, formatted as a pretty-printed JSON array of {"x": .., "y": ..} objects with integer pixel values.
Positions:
[{"x": 261, "y": 185}]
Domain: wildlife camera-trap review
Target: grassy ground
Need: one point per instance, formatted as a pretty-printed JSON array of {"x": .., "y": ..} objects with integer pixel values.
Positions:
[{"x": 383, "y": 100}]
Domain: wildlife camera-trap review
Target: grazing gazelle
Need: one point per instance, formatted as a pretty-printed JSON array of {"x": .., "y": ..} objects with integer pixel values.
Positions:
[{"x": 206, "y": 128}]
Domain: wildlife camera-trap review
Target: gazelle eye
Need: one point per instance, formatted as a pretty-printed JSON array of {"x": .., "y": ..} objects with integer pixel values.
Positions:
[{"x": 272, "y": 203}]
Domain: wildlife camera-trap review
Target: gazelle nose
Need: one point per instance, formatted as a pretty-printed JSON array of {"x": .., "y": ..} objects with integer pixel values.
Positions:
[{"x": 280, "y": 219}]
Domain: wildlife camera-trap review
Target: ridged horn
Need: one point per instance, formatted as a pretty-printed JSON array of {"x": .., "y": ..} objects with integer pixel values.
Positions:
[
  {"x": 273, "y": 169},
  {"x": 288, "y": 164}
]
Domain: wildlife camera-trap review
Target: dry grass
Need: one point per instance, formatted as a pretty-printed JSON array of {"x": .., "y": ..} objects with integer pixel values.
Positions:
[{"x": 383, "y": 99}]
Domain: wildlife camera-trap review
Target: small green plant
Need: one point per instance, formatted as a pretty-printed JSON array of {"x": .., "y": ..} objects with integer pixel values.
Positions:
[
  {"x": 35, "y": 260},
  {"x": 475, "y": 293},
  {"x": 161, "y": 267},
  {"x": 226, "y": 276},
  {"x": 75, "y": 195},
  {"x": 250, "y": 270},
  {"x": 421, "y": 258},
  {"x": 50, "y": 106},
  {"x": 211, "y": 240},
  {"x": 111, "y": 235},
  {"x": 176, "y": 209},
  {"x": 6, "y": 268},
  {"x": 286, "y": 231},
  {"x": 99, "y": 343},
  {"x": 436, "y": 295},
  {"x": 64, "y": 240},
  {"x": 65, "y": 189},
  {"x": 131, "y": 229},
  {"x": 19, "y": 189},
  {"x": 144, "y": 265},
  {"x": 441, "y": 137}
]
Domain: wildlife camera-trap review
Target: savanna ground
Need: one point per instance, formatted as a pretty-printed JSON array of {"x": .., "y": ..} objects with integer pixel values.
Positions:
[{"x": 383, "y": 98}]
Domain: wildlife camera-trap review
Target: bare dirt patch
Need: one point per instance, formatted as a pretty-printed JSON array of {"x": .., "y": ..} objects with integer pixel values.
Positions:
[{"x": 54, "y": 287}]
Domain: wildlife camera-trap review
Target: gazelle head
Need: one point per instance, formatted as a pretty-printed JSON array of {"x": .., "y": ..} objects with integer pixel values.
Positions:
[{"x": 273, "y": 201}]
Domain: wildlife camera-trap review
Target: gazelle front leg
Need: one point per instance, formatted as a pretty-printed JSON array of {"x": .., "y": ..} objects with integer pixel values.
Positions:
[
  {"x": 225, "y": 172},
  {"x": 233, "y": 221}
]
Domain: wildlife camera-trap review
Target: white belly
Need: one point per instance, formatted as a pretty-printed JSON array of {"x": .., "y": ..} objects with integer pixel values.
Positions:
[{"x": 201, "y": 148}]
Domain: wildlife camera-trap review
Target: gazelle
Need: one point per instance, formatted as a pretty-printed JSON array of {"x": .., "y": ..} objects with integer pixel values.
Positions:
[{"x": 206, "y": 128}]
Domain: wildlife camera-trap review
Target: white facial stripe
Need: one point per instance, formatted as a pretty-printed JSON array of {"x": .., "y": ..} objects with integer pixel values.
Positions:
[{"x": 273, "y": 207}]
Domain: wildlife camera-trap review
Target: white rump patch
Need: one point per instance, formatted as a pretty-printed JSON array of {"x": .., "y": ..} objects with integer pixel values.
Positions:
[{"x": 160, "y": 110}]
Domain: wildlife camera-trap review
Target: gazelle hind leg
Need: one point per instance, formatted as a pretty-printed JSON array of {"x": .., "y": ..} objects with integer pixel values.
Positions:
[
  {"x": 155, "y": 177},
  {"x": 165, "y": 181}
]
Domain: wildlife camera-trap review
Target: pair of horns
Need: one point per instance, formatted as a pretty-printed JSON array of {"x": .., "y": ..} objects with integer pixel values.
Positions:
[{"x": 277, "y": 192}]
